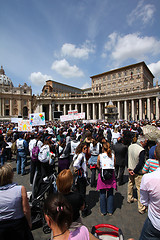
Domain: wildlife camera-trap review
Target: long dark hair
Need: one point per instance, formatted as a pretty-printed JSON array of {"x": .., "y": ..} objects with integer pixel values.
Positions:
[
  {"x": 60, "y": 211},
  {"x": 80, "y": 147}
]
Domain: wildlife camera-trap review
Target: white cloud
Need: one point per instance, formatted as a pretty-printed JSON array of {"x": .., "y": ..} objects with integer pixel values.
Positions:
[
  {"x": 111, "y": 42},
  {"x": 63, "y": 68},
  {"x": 37, "y": 78},
  {"x": 86, "y": 85},
  {"x": 131, "y": 46},
  {"x": 155, "y": 69},
  {"x": 143, "y": 12},
  {"x": 70, "y": 50}
]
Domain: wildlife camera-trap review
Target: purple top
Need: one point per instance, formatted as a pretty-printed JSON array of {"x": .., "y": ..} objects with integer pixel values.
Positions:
[
  {"x": 107, "y": 184},
  {"x": 80, "y": 233}
]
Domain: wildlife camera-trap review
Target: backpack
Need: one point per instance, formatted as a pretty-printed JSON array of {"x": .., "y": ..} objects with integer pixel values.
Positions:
[
  {"x": 35, "y": 152},
  {"x": 106, "y": 174},
  {"x": 107, "y": 169},
  {"x": 44, "y": 154},
  {"x": 20, "y": 145}
]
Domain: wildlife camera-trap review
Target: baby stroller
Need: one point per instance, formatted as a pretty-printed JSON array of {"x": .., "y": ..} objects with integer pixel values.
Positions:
[
  {"x": 41, "y": 188},
  {"x": 107, "y": 232}
]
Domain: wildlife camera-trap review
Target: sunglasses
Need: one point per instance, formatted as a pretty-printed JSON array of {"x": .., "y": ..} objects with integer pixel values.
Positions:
[{"x": 84, "y": 148}]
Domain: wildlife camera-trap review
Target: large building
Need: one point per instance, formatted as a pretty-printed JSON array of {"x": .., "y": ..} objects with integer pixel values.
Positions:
[
  {"x": 130, "y": 88},
  {"x": 125, "y": 79},
  {"x": 14, "y": 101}
]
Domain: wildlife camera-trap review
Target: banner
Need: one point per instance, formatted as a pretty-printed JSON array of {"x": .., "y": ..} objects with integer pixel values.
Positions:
[
  {"x": 15, "y": 120},
  {"x": 24, "y": 126},
  {"x": 37, "y": 119},
  {"x": 71, "y": 117}
]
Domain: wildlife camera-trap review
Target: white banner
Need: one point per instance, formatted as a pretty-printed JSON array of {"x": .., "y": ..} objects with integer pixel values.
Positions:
[
  {"x": 71, "y": 117},
  {"x": 37, "y": 119},
  {"x": 15, "y": 120}
]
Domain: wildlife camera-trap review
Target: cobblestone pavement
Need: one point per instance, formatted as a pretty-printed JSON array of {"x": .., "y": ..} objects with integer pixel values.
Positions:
[{"x": 125, "y": 216}]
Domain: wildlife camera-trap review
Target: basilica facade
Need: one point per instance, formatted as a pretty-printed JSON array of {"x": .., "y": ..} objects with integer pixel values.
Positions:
[
  {"x": 130, "y": 89},
  {"x": 14, "y": 101}
]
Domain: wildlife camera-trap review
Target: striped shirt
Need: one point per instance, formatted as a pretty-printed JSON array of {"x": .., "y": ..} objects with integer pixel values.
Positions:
[{"x": 151, "y": 165}]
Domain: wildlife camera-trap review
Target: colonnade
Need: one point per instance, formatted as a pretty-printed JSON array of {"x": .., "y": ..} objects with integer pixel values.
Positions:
[{"x": 133, "y": 109}]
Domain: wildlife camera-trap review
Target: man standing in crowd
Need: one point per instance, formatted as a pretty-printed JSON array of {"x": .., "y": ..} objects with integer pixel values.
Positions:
[
  {"x": 120, "y": 154},
  {"x": 21, "y": 154},
  {"x": 136, "y": 160},
  {"x": 150, "y": 197}
]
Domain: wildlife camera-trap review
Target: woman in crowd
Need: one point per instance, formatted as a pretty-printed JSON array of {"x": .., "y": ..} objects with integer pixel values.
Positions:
[
  {"x": 81, "y": 167},
  {"x": 64, "y": 183},
  {"x": 3, "y": 145},
  {"x": 44, "y": 158},
  {"x": 115, "y": 135},
  {"x": 15, "y": 217},
  {"x": 58, "y": 215},
  {"x": 106, "y": 163},
  {"x": 81, "y": 171},
  {"x": 87, "y": 141},
  {"x": 94, "y": 149}
]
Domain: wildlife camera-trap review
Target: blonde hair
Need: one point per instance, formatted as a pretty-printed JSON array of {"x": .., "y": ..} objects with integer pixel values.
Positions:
[
  {"x": 64, "y": 181},
  {"x": 6, "y": 174}
]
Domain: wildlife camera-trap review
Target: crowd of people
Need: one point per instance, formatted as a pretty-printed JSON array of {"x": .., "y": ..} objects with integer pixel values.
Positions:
[{"x": 104, "y": 149}]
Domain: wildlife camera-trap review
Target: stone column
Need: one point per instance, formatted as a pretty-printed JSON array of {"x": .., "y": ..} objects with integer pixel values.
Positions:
[
  {"x": 40, "y": 108},
  {"x": 125, "y": 110},
  {"x": 87, "y": 110},
  {"x": 3, "y": 106},
  {"x": 143, "y": 108},
  {"x": 50, "y": 112},
  {"x": 20, "y": 107},
  {"x": 100, "y": 111},
  {"x": 64, "y": 109},
  {"x": 151, "y": 108},
  {"x": 10, "y": 108},
  {"x": 70, "y": 107},
  {"x": 30, "y": 107},
  {"x": 132, "y": 110},
  {"x": 58, "y": 107},
  {"x": 157, "y": 108},
  {"x": 140, "y": 109},
  {"x": 76, "y": 107},
  {"x": 82, "y": 109},
  {"x": 94, "y": 117},
  {"x": 148, "y": 109},
  {"x": 119, "y": 110},
  {"x": 105, "y": 109}
]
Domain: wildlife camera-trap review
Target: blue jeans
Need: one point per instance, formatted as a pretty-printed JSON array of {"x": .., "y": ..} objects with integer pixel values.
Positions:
[
  {"x": 21, "y": 160},
  {"x": 2, "y": 158},
  {"x": 149, "y": 232},
  {"x": 106, "y": 205}
]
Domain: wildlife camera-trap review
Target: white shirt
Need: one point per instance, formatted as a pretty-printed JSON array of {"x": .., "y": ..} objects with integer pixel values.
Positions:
[
  {"x": 115, "y": 136},
  {"x": 32, "y": 144},
  {"x": 78, "y": 162},
  {"x": 150, "y": 196}
]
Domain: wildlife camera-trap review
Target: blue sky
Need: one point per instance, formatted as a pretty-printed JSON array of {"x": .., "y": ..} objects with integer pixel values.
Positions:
[{"x": 70, "y": 40}]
